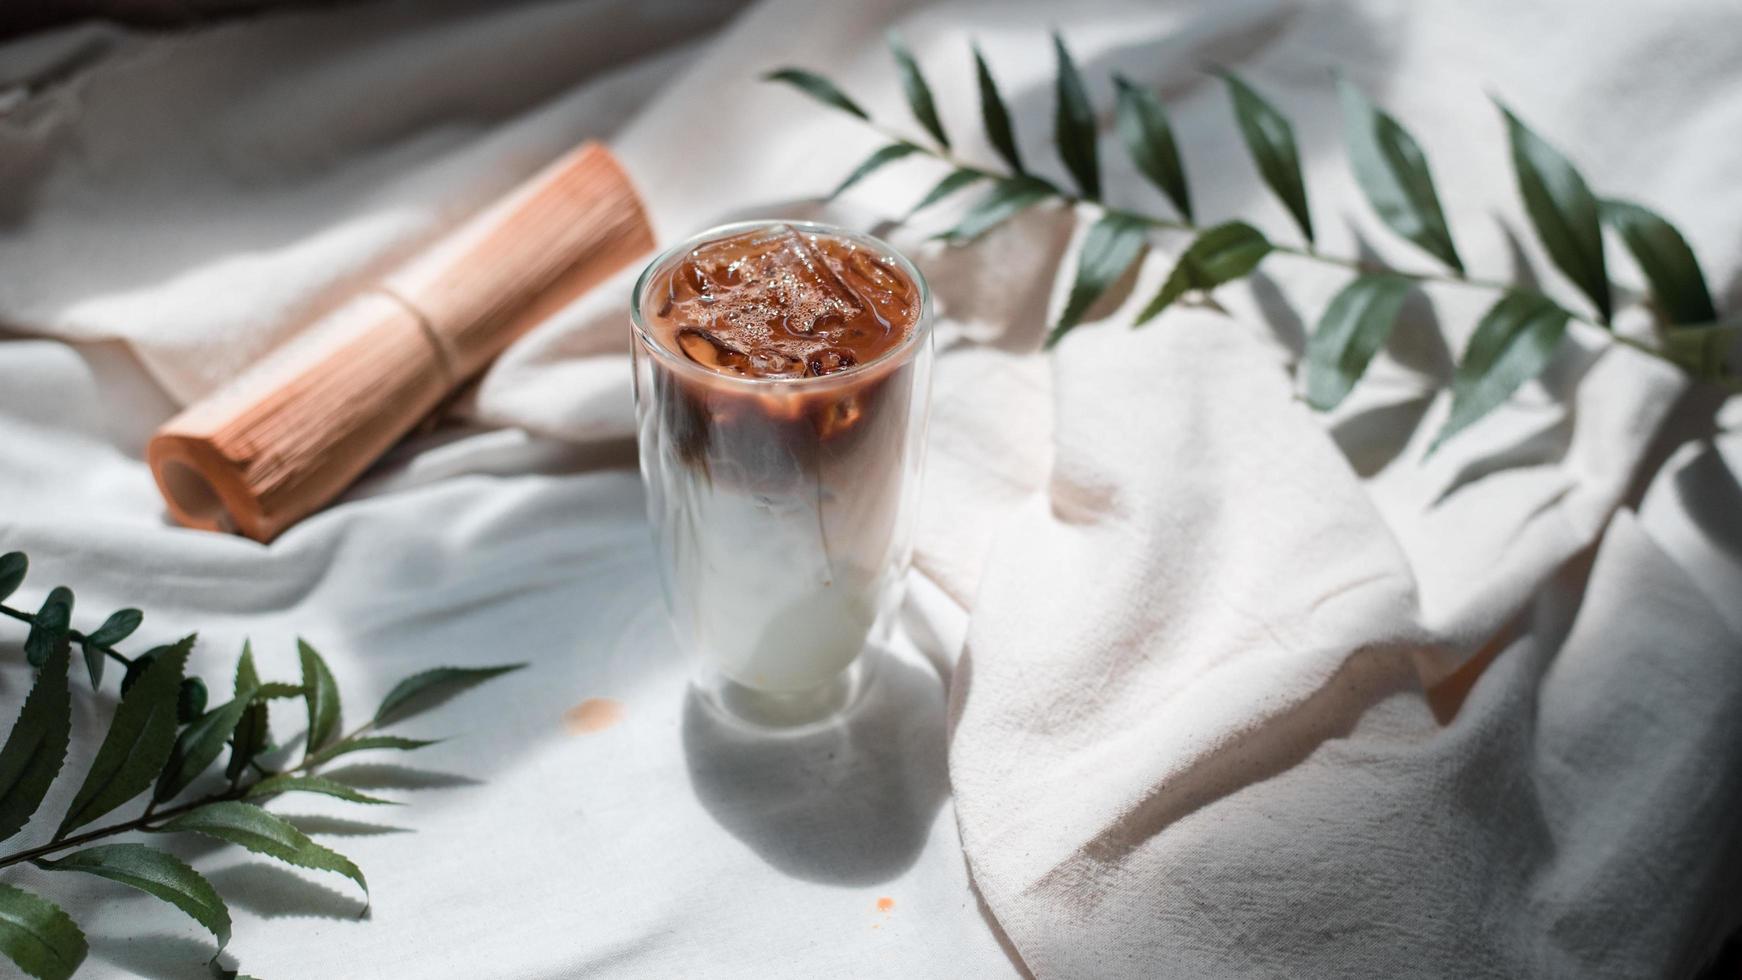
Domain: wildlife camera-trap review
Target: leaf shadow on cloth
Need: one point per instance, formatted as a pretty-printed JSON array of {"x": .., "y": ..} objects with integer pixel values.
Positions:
[
  {"x": 386, "y": 775},
  {"x": 1546, "y": 446},
  {"x": 157, "y": 956},
  {"x": 272, "y": 892},
  {"x": 1286, "y": 324},
  {"x": 1708, "y": 489},
  {"x": 852, "y": 804},
  {"x": 319, "y": 826},
  {"x": 1369, "y": 438},
  {"x": 1521, "y": 270}
]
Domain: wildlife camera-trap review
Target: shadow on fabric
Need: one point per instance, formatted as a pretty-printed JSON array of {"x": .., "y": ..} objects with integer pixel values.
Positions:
[
  {"x": 852, "y": 804},
  {"x": 156, "y": 956}
]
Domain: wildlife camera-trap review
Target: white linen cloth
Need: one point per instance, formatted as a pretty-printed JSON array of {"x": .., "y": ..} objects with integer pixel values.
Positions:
[{"x": 1246, "y": 692}]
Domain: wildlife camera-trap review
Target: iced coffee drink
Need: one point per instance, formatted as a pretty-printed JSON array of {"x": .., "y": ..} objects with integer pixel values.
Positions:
[{"x": 782, "y": 374}]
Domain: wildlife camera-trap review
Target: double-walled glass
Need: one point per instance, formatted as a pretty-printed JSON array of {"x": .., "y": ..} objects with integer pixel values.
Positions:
[{"x": 782, "y": 508}]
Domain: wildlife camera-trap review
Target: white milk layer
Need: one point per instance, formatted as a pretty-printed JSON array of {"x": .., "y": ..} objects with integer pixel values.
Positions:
[{"x": 769, "y": 590}]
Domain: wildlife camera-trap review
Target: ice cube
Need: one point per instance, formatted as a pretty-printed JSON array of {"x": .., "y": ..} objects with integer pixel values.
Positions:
[
  {"x": 777, "y": 266},
  {"x": 727, "y": 261},
  {"x": 773, "y": 364},
  {"x": 828, "y": 361},
  {"x": 810, "y": 282},
  {"x": 868, "y": 273},
  {"x": 710, "y": 351},
  {"x": 686, "y": 284}
]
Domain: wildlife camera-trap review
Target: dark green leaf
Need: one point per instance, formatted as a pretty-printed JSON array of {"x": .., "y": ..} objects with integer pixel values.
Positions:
[
  {"x": 1669, "y": 264},
  {"x": 38, "y": 936},
  {"x": 420, "y": 692},
  {"x": 1563, "y": 211},
  {"x": 247, "y": 678},
  {"x": 1074, "y": 125},
  {"x": 119, "y": 626},
  {"x": 1111, "y": 245},
  {"x": 155, "y": 873},
  {"x": 135, "y": 669},
  {"x": 37, "y": 746},
  {"x": 1393, "y": 173},
  {"x": 190, "y": 699},
  {"x": 272, "y": 690},
  {"x": 116, "y": 628},
  {"x": 363, "y": 743},
  {"x": 94, "y": 658},
  {"x": 1149, "y": 139},
  {"x": 249, "y": 735},
  {"x": 249, "y": 739},
  {"x": 13, "y": 565},
  {"x": 138, "y": 744},
  {"x": 1354, "y": 327},
  {"x": 199, "y": 745},
  {"x": 918, "y": 92},
  {"x": 249, "y": 826},
  {"x": 287, "y": 783},
  {"x": 1270, "y": 139},
  {"x": 1218, "y": 255},
  {"x": 817, "y": 87},
  {"x": 995, "y": 116},
  {"x": 1514, "y": 341},
  {"x": 50, "y": 631},
  {"x": 322, "y": 695},
  {"x": 954, "y": 181},
  {"x": 875, "y": 162},
  {"x": 1002, "y": 202}
]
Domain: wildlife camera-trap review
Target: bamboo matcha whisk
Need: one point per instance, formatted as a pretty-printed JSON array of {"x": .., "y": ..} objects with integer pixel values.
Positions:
[{"x": 291, "y": 433}]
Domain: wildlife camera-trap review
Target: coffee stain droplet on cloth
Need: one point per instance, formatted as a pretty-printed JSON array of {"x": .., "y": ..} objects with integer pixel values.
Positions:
[
  {"x": 593, "y": 715},
  {"x": 885, "y": 904}
]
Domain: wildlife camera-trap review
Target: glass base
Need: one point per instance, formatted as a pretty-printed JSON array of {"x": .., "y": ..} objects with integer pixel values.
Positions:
[{"x": 789, "y": 712}]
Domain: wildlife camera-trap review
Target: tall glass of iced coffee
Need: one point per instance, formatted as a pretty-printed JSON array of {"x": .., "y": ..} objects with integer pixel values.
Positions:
[{"x": 782, "y": 384}]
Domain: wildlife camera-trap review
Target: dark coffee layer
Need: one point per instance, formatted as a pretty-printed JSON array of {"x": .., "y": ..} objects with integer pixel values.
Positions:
[{"x": 777, "y": 302}]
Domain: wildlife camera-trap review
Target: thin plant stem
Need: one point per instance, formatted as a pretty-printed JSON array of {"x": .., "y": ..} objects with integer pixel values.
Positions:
[
  {"x": 316, "y": 758},
  {"x": 72, "y": 634},
  {"x": 141, "y": 822}
]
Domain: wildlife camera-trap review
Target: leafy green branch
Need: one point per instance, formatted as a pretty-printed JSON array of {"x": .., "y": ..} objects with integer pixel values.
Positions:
[
  {"x": 1512, "y": 343},
  {"x": 162, "y": 740}
]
